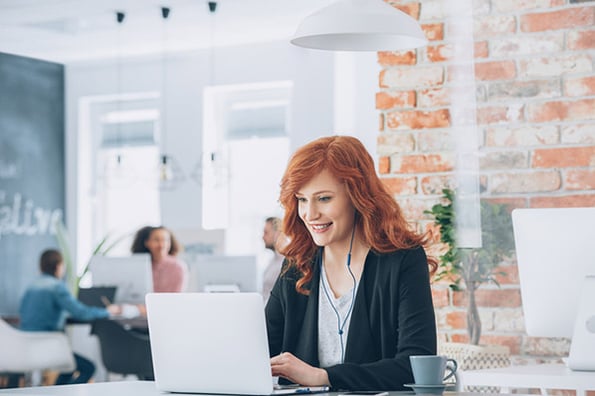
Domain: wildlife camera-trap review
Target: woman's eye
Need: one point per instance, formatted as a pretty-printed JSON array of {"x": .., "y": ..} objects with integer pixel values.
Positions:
[
  {"x": 301, "y": 199},
  {"x": 324, "y": 199}
]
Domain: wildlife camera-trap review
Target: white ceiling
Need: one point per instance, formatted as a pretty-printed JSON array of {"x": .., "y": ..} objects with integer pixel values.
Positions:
[{"x": 68, "y": 31}]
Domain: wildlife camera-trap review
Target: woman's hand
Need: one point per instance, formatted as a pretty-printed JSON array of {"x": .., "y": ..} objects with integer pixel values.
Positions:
[{"x": 288, "y": 366}]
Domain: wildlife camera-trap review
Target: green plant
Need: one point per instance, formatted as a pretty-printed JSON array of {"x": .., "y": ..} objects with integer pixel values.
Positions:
[
  {"x": 73, "y": 279},
  {"x": 469, "y": 268}
]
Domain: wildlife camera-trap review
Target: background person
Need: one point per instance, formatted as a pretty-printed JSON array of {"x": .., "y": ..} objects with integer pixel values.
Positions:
[
  {"x": 46, "y": 304},
  {"x": 354, "y": 300},
  {"x": 170, "y": 273},
  {"x": 270, "y": 235}
]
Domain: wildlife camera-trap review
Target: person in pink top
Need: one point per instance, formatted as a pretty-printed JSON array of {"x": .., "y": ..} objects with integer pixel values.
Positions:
[{"x": 170, "y": 273}]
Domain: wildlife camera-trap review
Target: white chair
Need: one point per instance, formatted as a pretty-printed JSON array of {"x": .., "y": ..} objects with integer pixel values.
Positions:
[{"x": 31, "y": 352}]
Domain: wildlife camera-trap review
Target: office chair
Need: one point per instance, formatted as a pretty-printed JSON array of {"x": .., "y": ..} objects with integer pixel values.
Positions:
[
  {"x": 31, "y": 352},
  {"x": 123, "y": 351}
]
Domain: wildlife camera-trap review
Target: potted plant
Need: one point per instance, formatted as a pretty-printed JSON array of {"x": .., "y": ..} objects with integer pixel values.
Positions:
[
  {"x": 468, "y": 268},
  {"x": 102, "y": 248}
]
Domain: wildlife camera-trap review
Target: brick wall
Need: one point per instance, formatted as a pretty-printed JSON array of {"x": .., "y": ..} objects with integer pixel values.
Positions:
[{"x": 519, "y": 75}]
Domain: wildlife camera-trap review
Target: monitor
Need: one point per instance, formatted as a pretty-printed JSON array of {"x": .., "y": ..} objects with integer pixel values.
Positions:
[
  {"x": 223, "y": 274},
  {"x": 132, "y": 275},
  {"x": 555, "y": 253},
  {"x": 97, "y": 296}
]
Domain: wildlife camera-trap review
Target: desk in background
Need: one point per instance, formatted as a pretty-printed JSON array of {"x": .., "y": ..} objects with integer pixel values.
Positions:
[{"x": 541, "y": 376}]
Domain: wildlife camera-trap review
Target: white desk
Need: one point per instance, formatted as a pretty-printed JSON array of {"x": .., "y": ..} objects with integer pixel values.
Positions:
[
  {"x": 543, "y": 376},
  {"x": 137, "y": 388}
]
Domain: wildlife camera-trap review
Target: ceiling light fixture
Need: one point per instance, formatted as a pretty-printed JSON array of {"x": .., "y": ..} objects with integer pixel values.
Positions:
[
  {"x": 359, "y": 25},
  {"x": 117, "y": 172},
  {"x": 170, "y": 173}
]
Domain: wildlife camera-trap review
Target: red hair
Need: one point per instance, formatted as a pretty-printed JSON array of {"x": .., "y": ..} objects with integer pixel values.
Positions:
[{"x": 379, "y": 218}]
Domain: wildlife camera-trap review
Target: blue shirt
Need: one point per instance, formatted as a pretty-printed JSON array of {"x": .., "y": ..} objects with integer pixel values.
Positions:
[{"x": 47, "y": 302}]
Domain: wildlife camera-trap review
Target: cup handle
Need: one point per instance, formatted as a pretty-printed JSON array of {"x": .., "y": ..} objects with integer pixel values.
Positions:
[{"x": 451, "y": 368}]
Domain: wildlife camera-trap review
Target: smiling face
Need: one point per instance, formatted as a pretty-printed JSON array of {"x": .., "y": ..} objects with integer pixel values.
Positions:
[
  {"x": 326, "y": 210},
  {"x": 158, "y": 243}
]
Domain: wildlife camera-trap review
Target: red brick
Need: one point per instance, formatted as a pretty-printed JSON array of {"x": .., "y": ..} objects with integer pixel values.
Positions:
[
  {"x": 580, "y": 86},
  {"x": 462, "y": 338},
  {"x": 411, "y": 9},
  {"x": 568, "y": 201},
  {"x": 507, "y": 275},
  {"x": 510, "y": 298},
  {"x": 415, "y": 119},
  {"x": 421, "y": 163},
  {"x": 510, "y": 46},
  {"x": 494, "y": 25},
  {"x": 381, "y": 122},
  {"x": 439, "y": 53},
  {"x": 414, "y": 77},
  {"x": 577, "y": 134},
  {"x": 389, "y": 100},
  {"x": 433, "y": 97},
  {"x": 395, "y": 142},
  {"x": 499, "y": 114},
  {"x": 497, "y": 70},
  {"x": 394, "y": 58},
  {"x": 556, "y": 65},
  {"x": 554, "y": 20},
  {"x": 564, "y": 157},
  {"x": 413, "y": 209},
  {"x": 560, "y": 111},
  {"x": 525, "y": 182},
  {"x": 456, "y": 320},
  {"x": 514, "y": 90},
  {"x": 581, "y": 39},
  {"x": 436, "y": 140},
  {"x": 580, "y": 179},
  {"x": 513, "y": 342},
  {"x": 518, "y": 5},
  {"x": 526, "y": 135},
  {"x": 384, "y": 165},
  {"x": 440, "y": 297},
  {"x": 433, "y": 31},
  {"x": 401, "y": 185},
  {"x": 432, "y": 185},
  {"x": 481, "y": 49},
  {"x": 505, "y": 159}
]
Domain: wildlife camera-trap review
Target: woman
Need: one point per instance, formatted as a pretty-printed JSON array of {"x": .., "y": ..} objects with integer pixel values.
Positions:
[
  {"x": 46, "y": 303},
  {"x": 169, "y": 272},
  {"x": 353, "y": 301}
]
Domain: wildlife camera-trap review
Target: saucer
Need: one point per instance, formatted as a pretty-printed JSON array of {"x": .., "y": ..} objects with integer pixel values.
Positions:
[{"x": 437, "y": 389}]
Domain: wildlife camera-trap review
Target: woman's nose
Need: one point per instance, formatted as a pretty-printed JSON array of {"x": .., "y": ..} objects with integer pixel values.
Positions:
[{"x": 311, "y": 211}]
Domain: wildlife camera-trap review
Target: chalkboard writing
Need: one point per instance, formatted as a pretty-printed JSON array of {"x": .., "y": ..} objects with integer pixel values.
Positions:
[{"x": 31, "y": 169}]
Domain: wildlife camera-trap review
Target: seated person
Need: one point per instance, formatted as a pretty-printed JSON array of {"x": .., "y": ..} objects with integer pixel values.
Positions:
[
  {"x": 170, "y": 274},
  {"x": 270, "y": 236},
  {"x": 47, "y": 302},
  {"x": 353, "y": 301}
]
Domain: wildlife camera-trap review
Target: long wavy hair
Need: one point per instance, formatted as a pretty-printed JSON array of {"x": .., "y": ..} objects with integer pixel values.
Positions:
[
  {"x": 143, "y": 234},
  {"x": 379, "y": 218}
]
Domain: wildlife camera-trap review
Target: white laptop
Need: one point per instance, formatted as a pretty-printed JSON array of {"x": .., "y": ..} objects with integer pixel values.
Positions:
[{"x": 212, "y": 343}]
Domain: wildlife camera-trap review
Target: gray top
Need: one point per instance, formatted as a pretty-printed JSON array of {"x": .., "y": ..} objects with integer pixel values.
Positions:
[{"x": 331, "y": 344}]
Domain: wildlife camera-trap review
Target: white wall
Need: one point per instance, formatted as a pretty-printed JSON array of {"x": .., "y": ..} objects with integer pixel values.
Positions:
[{"x": 313, "y": 111}]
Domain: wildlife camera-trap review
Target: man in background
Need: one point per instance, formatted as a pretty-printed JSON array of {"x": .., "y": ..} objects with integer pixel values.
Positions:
[{"x": 270, "y": 235}]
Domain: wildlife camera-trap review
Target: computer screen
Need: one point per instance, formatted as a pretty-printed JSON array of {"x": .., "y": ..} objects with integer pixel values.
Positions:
[
  {"x": 132, "y": 275},
  {"x": 555, "y": 249},
  {"x": 223, "y": 274}
]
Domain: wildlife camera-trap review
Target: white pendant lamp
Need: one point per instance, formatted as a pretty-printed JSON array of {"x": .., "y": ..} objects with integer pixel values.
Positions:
[{"x": 359, "y": 25}]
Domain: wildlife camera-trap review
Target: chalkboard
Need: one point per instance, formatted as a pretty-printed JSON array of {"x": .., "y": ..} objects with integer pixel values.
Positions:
[{"x": 31, "y": 169}]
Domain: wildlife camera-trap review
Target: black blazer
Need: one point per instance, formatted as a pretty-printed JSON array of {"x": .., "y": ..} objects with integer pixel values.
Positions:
[{"x": 392, "y": 318}]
